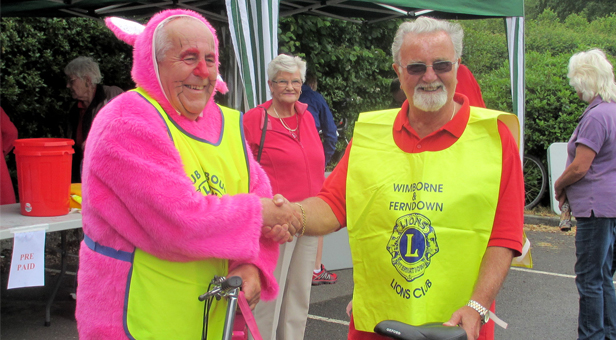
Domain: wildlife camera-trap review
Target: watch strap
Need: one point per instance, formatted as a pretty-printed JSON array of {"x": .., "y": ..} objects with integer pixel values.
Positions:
[
  {"x": 486, "y": 314},
  {"x": 483, "y": 312}
]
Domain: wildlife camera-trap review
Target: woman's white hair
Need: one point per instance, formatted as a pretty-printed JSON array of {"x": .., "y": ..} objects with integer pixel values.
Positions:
[
  {"x": 423, "y": 25},
  {"x": 286, "y": 63},
  {"x": 591, "y": 74},
  {"x": 83, "y": 67}
]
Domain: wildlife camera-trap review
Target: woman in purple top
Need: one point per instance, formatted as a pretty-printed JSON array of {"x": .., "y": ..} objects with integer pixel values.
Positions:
[{"x": 589, "y": 183}]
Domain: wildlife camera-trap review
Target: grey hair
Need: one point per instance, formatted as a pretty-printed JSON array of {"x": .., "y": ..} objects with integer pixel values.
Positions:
[
  {"x": 428, "y": 25},
  {"x": 286, "y": 63},
  {"x": 161, "y": 36},
  {"x": 83, "y": 67},
  {"x": 591, "y": 74}
]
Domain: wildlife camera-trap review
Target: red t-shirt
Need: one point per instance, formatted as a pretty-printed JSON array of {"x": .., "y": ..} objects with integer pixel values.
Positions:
[
  {"x": 509, "y": 218},
  {"x": 468, "y": 86}
]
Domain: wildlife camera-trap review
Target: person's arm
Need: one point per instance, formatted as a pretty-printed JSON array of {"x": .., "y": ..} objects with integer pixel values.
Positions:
[
  {"x": 330, "y": 135},
  {"x": 326, "y": 213},
  {"x": 9, "y": 133},
  {"x": 320, "y": 218},
  {"x": 575, "y": 171},
  {"x": 492, "y": 273},
  {"x": 137, "y": 187},
  {"x": 505, "y": 241}
]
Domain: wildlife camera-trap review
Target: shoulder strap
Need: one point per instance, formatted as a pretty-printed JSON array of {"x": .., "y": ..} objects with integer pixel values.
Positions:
[{"x": 263, "y": 130}]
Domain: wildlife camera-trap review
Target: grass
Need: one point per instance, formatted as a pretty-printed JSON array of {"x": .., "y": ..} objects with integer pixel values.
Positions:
[
  {"x": 544, "y": 211},
  {"x": 540, "y": 210},
  {"x": 548, "y": 229}
]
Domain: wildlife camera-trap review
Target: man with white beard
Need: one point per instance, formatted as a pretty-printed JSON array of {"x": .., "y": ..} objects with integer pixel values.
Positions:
[{"x": 432, "y": 196}]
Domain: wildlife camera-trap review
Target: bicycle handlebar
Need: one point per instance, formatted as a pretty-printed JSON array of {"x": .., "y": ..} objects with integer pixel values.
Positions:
[
  {"x": 222, "y": 286},
  {"x": 231, "y": 282},
  {"x": 430, "y": 331}
]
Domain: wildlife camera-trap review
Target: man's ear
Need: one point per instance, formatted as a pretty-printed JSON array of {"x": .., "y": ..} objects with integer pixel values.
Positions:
[{"x": 395, "y": 66}]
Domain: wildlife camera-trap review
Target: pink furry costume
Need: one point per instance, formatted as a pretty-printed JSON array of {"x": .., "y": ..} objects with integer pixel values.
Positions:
[{"x": 136, "y": 194}]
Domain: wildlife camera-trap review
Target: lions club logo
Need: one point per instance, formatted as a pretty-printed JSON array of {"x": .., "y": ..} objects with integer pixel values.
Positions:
[{"x": 412, "y": 245}]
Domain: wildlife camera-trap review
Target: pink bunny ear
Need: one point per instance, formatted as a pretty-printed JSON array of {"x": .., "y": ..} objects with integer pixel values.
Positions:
[
  {"x": 125, "y": 30},
  {"x": 221, "y": 86}
]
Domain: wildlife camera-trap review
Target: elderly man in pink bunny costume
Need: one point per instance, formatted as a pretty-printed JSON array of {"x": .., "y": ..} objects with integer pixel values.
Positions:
[{"x": 170, "y": 195}]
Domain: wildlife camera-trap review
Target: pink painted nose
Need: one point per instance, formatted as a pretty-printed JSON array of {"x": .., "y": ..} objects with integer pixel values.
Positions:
[{"x": 201, "y": 70}]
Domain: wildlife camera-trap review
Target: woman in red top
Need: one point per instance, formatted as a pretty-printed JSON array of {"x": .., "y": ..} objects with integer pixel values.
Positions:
[{"x": 283, "y": 137}]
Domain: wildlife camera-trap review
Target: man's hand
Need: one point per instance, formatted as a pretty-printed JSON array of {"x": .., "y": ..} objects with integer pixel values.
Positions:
[
  {"x": 561, "y": 197},
  {"x": 319, "y": 216},
  {"x": 349, "y": 308},
  {"x": 467, "y": 318},
  {"x": 277, "y": 213},
  {"x": 278, "y": 233},
  {"x": 251, "y": 282}
]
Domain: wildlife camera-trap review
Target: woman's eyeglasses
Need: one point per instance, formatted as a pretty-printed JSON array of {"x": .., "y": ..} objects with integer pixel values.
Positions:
[
  {"x": 284, "y": 83},
  {"x": 439, "y": 67}
]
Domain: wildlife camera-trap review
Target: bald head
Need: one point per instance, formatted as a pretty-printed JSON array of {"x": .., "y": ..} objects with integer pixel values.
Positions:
[{"x": 162, "y": 41}]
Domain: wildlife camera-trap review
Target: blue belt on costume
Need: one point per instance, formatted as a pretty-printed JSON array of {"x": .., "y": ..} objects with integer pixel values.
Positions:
[{"x": 108, "y": 251}]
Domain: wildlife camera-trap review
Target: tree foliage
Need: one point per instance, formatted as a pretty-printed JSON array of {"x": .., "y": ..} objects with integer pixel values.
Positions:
[
  {"x": 552, "y": 106},
  {"x": 34, "y": 53},
  {"x": 352, "y": 61},
  {"x": 590, "y": 9}
]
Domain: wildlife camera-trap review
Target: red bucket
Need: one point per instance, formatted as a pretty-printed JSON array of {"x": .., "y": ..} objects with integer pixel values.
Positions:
[{"x": 44, "y": 175}]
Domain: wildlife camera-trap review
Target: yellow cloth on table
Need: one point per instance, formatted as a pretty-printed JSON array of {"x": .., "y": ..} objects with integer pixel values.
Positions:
[{"x": 75, "y": 194}]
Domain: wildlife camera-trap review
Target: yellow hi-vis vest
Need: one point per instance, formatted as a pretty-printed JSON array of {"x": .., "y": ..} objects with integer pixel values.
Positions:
[
  {"x": 419, "y": 223},
  {"x": 162, "y": 296}
]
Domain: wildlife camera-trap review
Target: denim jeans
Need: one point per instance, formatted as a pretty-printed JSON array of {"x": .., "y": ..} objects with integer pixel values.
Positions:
[{"x": 594, "y": 244}]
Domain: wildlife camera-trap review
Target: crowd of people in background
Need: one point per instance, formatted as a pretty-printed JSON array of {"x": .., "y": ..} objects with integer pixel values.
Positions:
[{"x": 179, "y": 189}]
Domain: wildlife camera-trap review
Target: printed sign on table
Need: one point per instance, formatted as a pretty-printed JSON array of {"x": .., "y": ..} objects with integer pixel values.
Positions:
[{"x": 28, "y": 262}]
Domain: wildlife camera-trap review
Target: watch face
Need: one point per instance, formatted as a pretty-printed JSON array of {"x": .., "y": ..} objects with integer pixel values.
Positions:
[{"x": 486, "y": 318}]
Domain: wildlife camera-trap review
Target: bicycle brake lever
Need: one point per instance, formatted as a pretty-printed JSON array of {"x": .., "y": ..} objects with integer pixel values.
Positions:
[{"x": 213, "y": 292}]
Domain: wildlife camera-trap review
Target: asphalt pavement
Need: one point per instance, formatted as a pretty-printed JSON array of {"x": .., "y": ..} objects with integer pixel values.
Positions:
[{"x": 540, "y": 303}]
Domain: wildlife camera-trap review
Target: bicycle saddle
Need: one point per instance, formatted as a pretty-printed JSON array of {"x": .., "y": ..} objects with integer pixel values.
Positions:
[{"x": 430, "y": 331}]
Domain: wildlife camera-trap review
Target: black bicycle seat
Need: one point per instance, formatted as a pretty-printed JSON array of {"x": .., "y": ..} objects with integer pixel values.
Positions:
[{"x": 430, "y": 331}]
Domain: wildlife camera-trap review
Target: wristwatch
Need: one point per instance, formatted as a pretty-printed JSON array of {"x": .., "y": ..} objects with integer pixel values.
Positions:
[{"x": 484, "y": 313}]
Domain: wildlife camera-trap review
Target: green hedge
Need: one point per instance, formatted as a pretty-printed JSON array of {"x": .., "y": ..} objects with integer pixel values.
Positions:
[
  {"x": 352, "y": 61},
  {"x": 552, "y": 106},
  {"x": 34, "y": 53}
]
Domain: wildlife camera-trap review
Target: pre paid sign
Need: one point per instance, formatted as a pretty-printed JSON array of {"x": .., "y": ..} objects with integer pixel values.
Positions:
[{"x": 28, "y": 260}]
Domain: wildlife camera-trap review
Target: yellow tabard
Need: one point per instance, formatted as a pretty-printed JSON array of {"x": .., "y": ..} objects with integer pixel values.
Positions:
[
  {"x": 162, "y": 296},
  {"x": 419, "y": 223}
]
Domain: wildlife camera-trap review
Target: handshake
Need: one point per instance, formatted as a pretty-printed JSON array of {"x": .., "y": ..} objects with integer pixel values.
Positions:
[{"x": 282, "y": 219}]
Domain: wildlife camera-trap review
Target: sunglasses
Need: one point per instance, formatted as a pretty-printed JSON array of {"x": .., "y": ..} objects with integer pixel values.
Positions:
[{"x": 439, "y": 67}]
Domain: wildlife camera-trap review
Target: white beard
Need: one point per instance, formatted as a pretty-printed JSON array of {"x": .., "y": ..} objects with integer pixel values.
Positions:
[{"x": 430, "y": 101}]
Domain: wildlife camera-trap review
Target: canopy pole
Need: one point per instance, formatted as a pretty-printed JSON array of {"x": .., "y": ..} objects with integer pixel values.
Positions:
[{"x": 515, "y": 46}]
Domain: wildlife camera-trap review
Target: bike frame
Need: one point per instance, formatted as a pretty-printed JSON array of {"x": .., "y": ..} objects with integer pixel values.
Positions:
[{"x": 228, "y": 288}]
